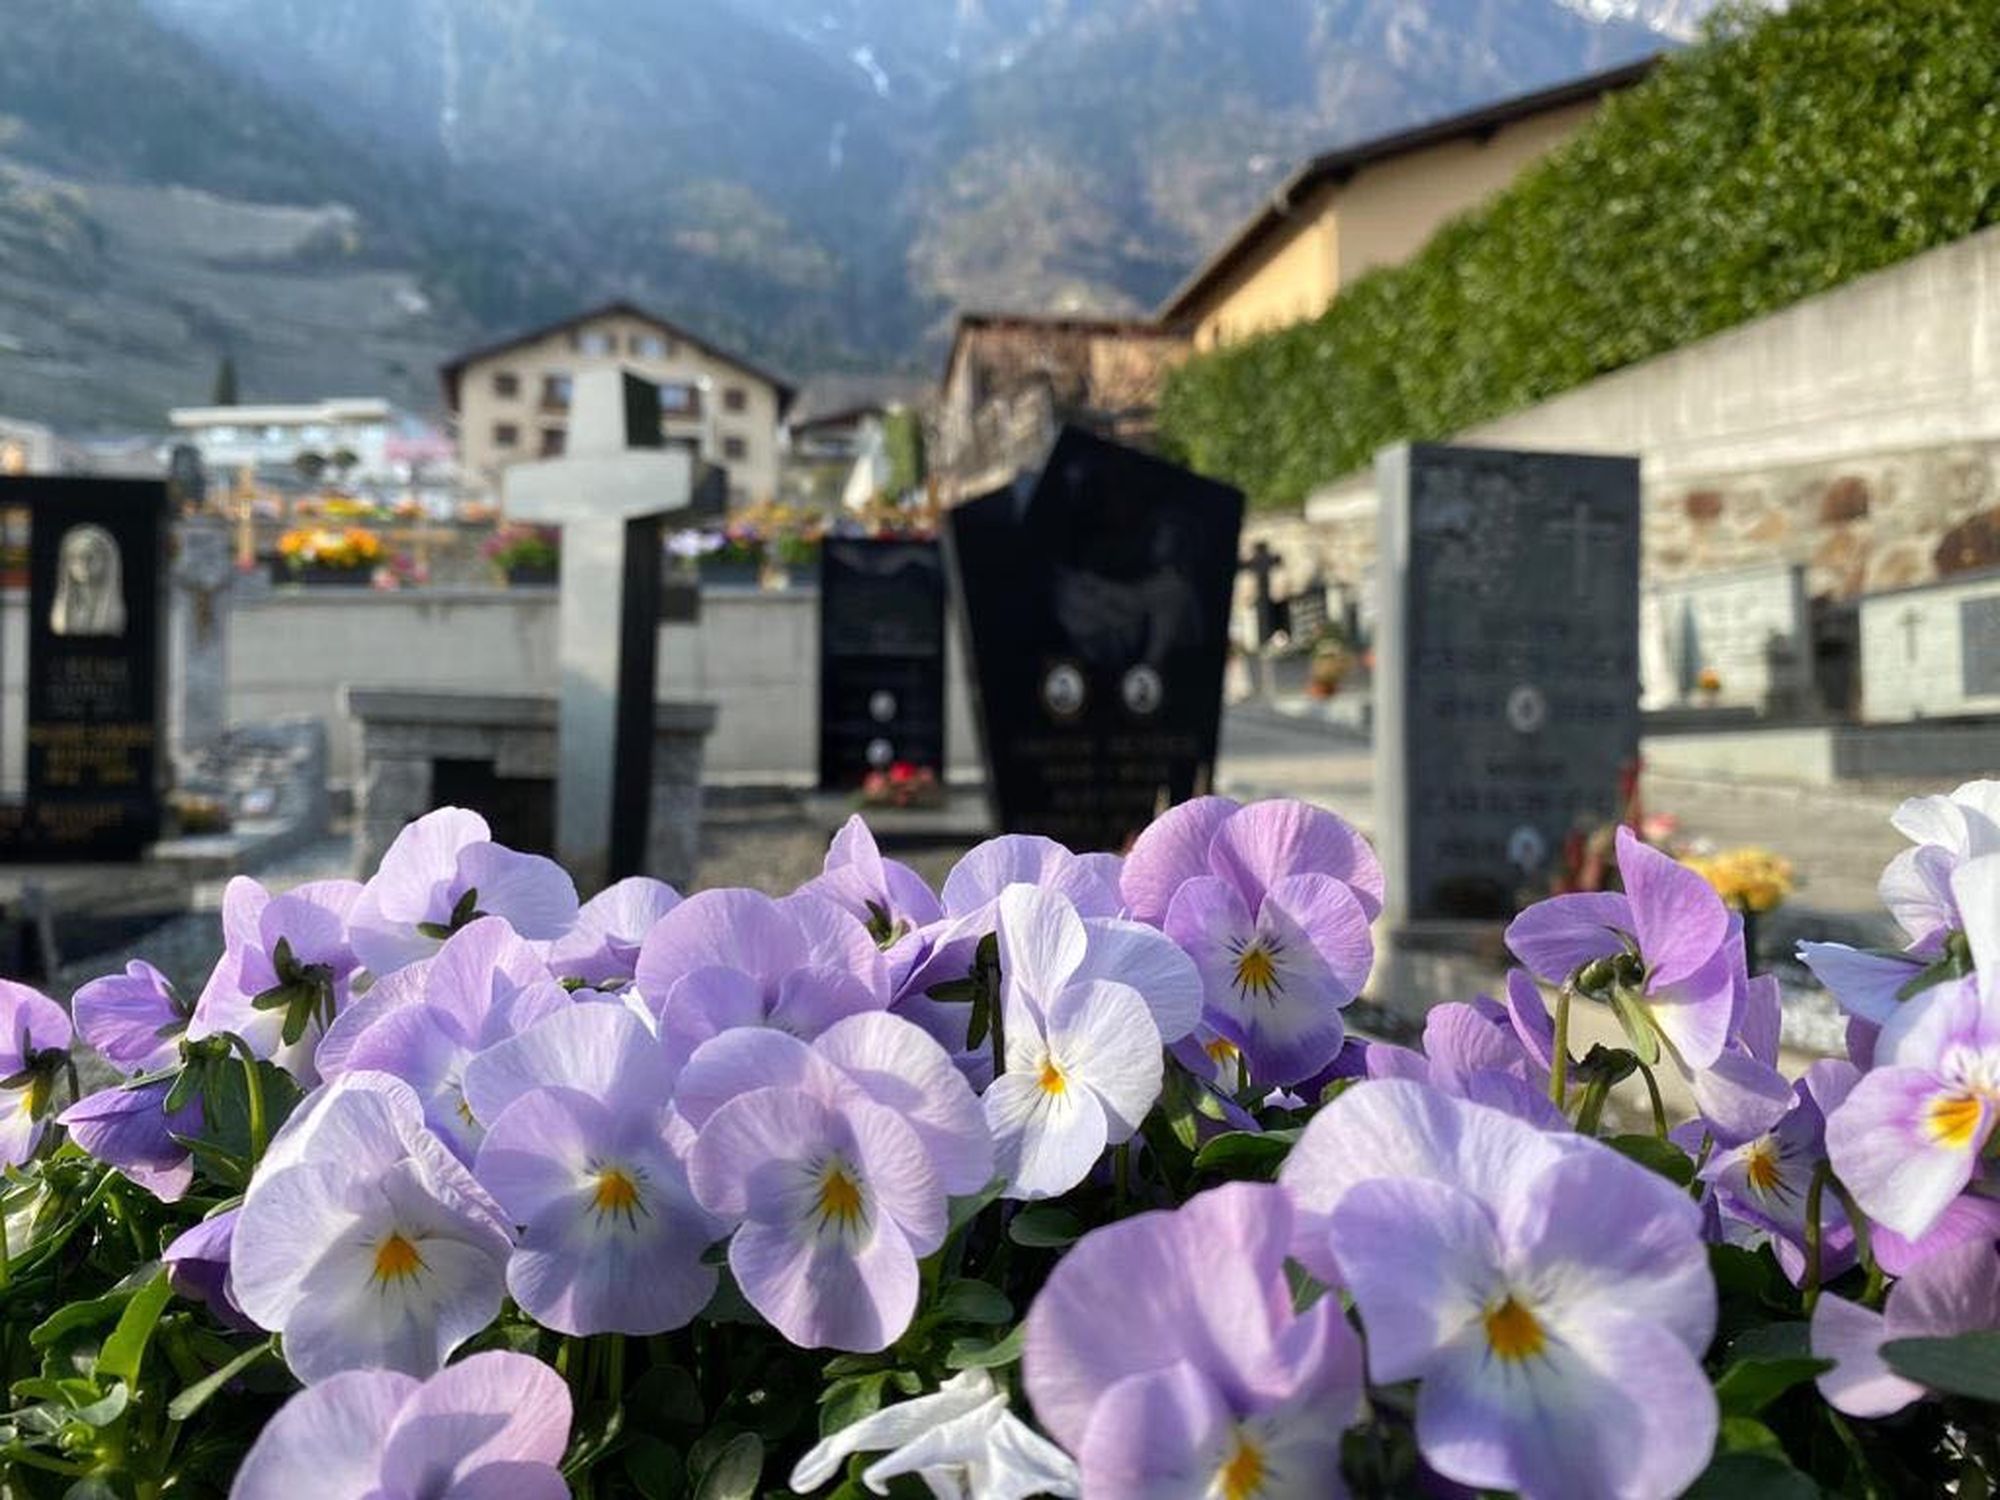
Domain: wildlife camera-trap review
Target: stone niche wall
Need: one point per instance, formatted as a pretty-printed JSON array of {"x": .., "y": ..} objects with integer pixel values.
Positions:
[{"x": 1859, "y": 526}]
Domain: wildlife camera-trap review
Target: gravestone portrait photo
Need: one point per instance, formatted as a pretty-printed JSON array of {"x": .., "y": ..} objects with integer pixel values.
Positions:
[{"x": 90, "y": 586}]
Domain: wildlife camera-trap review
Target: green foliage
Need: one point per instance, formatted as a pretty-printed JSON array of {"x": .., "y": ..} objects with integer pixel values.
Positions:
[
  {"x": 903, "y": 439},
  {"x": 1786, "y": 154}
]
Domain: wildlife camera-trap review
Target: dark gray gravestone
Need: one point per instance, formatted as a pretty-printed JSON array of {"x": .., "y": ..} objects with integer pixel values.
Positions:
[
  {"x": 881, "y": 665},
  {"x": 95, "y": 647},
  {"x": 1979, "y": 646},
  {"x": 1507, "y": 668},
  {"x": 1095, "y": 597}
]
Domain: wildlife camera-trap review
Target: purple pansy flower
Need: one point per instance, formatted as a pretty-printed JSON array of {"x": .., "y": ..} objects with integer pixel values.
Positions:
[
  {"x": 1082, "y": 1048},
  {"x": 1276, "y": 919},
  {"x": 1666, "y": 952},
  {"x": 1552, "y": 1297},
  {"x": 1478, "y": 1051},
  {"x": 486, "y": 984},
  {"x": 442, "y": 872},
  {"x": 837, "y": 1198},
  {"x": 1763, "y": 1181},
  {"x": 602, "y": 949},
  {"x": 35, "y": 1038},
  {"x": 285, "y": 971},
  {"x": 1165, "y": 1353},
  {"x": 133, "y": 1019},
  {"x": 127, "y": 1127},
  {"x": 491, "y": 1428},
  {"x": 363, "y": 1240},
  {"x": 581, "y": 1152},
  {"x": 197, "y": 1265},
  {"x": 730, "y": 958},
  {"x": 1955, "y": 1291},
  {"x": 887, "y": 896}
]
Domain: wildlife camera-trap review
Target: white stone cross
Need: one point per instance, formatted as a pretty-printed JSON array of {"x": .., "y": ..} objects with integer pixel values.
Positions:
[{"x": 613, "y": 471}]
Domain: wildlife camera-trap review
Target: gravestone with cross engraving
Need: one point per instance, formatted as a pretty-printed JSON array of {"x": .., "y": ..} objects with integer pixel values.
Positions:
[
  {"x": 203, "y": 573},
  {"x": 1095, "y": 597},
  {"x": 1506, "y": 668},
  {"x": 610, "y": 493}
]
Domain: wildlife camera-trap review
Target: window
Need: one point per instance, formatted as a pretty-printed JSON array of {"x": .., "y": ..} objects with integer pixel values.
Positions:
[
  {"x": 506, "y": 384},
  {"x": 649, "y": 346},
  {"x": 555, "y": 393},
  {"x": 679, "y": 399},
  {"x": 594, "y": 342},
  {"x": 552, "y": 442},
  {"x": 505, "y": 434},
  {"x": 735, "y": 398},
  {"x": 735, "y": 449}
]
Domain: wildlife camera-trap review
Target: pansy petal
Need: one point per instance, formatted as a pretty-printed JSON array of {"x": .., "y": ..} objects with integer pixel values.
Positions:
[
  {"x": 531, "y": 891},
  {"x": 1678, "y": 918},
  {"x": 1444, "y": 1271},
  {"x": 891, "y": 1427},
  {"x": 1904, "y": 1144},
  {"x": 745, "y": 1058},
  {"x": 324, "y": 1442},
  {"x": 492, "y": 1408},
  {"x": 1170, "y": 851},
  {"x": 1266, "y": 841},
  {"x": 818, "y": 1295},
  {"x": 1862, "y": 983},
  {"x": 1151, "y": 963},
  {"x": 600, "y": 1050},
  {"x": 1556, "y": 937},
  {"x": 901, "y": 1068},
  {"x": 1860, "y": 1382},
  {"x": 1042, "y": 941},
  {"x": 1044, "y": 1142}
]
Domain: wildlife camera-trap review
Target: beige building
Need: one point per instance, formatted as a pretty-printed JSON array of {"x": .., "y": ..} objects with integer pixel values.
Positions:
[
  {"x": 510, "y": 400},
  {"x": 1375, "y": 204}
]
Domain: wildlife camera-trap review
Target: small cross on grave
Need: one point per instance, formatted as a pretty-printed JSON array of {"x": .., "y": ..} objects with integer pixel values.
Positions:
[
  {"x": 610, "y": 493},
  {"x": 1263, "y": 562}
]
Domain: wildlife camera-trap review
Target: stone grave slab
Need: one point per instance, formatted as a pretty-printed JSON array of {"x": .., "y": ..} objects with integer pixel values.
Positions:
[
  {"x": 1095, "y": 596},
  {"x": 1749, "y": 626},
  {"x": 881, "y": 667},
  {"x": 90, "y": 738},
  {"x": 1507, "y": 692}
]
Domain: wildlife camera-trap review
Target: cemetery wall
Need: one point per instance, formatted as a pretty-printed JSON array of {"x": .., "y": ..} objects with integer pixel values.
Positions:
[
  {"x": 754, "y": 654},
  {"x": 1856, "y": 433}
]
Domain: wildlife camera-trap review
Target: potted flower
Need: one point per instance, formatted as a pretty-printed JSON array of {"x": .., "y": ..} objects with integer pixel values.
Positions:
[
  {"x": 525, "y": 555},
  {"x": 323, "y": 554},
  {"x": 1330, "y": 662},
  {"x": 737, "y": 558},
  {"x": 903, "y": 784},
  {"x": 1708, "y": 683}
]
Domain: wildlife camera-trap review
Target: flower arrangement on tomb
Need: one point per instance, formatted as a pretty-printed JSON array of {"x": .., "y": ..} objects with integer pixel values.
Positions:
[
  {"x": 350, "y": 547},
  {"x": 1748, "y": 879},
  {"x": 902, "y": 784},
  {"x": 1067, "y": 1177},
  {"x": 517, "y": 548},
  {"x": 1708, "y": 682}
]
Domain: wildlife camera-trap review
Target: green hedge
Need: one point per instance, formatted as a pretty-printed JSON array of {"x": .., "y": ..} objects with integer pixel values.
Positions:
[{"x": 1784, "y": 155}]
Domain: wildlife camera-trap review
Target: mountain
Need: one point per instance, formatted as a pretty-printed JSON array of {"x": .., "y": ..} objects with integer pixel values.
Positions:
[{"x": 339, "y": 191}]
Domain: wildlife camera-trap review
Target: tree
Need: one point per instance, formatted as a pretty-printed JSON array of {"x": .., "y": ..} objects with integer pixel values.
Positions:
[{"x": 225, "y": 383}]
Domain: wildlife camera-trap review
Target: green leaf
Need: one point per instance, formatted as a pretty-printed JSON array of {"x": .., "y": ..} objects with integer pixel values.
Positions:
[
  {"x": 191, "y": 1400},
  {"x": 736, "y": 1470},
  {"x": 1747, "y": 1386},
  {"x": 1791, "y": 1340},
  {"x": 965, "y": 1210},
  {"x": 846, "y": 1402},
  {"x": 107, "y": 1408},
  {"x": 77, "y": 1315},
  {"x": 1044, "y": 1226},
  {"x": 125, "y": 1350},
  {"x": 1752, "y": 1476},
  {"x": 972, "y": 1301},
  {"x": 1748, "y": 1435},
  {"x": 654, "y": 1467},
  {"x": 984, "y": 1354},
  {"x": 1247, "y": 1153},
  {"x": 1656, "y": 1155},
  {"x": 1967, "y": 1364}
]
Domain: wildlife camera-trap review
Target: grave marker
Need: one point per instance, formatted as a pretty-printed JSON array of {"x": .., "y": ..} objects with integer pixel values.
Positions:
[
  {"x": 610, "y": 494},
  {"x": 881, "y": 669},
  {"x": 1095, "y": 599},
  {"x": 1507, "y": 668},
  {"x": 90, "y": 736},
  {"x": 203, "y": 572}
]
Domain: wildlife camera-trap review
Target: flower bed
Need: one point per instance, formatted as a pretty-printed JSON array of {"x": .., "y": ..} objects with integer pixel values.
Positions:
[
  {"x": 1063, "y": 1179},
  {"x": 319, "y": 554}
]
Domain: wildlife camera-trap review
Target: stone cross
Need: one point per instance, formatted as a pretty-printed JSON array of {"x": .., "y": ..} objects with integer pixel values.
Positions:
[
  {"x": 1263, "y": 562},
  {"x": 1912, "y": 622},
  {"x": 198, "y": 695},
  {"x": 609, "y": 493}
]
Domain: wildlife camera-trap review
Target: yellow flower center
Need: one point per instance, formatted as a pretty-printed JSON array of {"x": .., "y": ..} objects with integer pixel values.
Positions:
[
  {"x": 1954, "y": 1120},
  {"x": 839, "y": 1198},
  {"x": 1242, "y": 1476},
  {"x": 1761, "y": 1166},
  {"x": 396, "y": 1259},
  {"x": 1221, "y": 1051},
  {"x": 1256, "y": 970},
  {"x": 1512, "y": 1331},
  {"x": 616, "y": 1193},
  {"x": 1052, "y": 1080},
  {"x": 465, "y": 1109}
]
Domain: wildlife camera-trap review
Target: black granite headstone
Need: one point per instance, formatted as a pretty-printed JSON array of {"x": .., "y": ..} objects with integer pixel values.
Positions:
[
  {"x": 881, "y": 667},
  {"x": 1507, "y": 675},
  {"x": 1095, "y": 596},
  {"x": 94, "y": 669}
]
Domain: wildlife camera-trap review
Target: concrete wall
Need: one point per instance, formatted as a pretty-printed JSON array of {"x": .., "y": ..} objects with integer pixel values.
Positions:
[
  {"x": 1856, "y": 433},
  {"x": 755, "y": 655},
  {"x": 1933, "y": 652}
]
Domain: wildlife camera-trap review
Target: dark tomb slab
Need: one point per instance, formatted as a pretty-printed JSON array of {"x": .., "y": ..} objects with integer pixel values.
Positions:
[
  {"x": 1095, "y": 599},
  {"x": 83, "y": 777},
  {"x": 1979, "y": 636},
  {"x": 520, "y": 810},
  {"x": 1507, "y": 668},
  {"x": 881, "y": 669}
]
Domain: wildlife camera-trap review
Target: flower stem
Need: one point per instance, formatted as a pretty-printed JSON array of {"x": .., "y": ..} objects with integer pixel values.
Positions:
[
  {"x": 1814, "y": 1194},
  {"x": 1659, "y": 1105},
  {"x": 1864, "y": 1248},
  {"x": 254, "y": 1086},
  {"x": 1559, "y": 1064}
]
